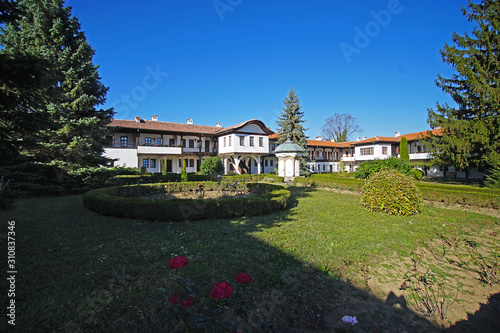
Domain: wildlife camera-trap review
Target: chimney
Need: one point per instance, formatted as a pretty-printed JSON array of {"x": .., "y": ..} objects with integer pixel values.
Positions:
[
  {"x": 358, "y": 139},
  {"x": 137, "y": 119},
  {"x": 154, "y": 118},
  {"x": 397, "y": 134},
  {"x": 318, "y": 138},
  {"x": 364, "y": 138},
  {"x": 218, "y": 125},
  {"x": 190, "y": 121}
]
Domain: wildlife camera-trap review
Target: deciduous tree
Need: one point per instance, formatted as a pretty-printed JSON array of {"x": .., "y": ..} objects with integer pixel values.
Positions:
[{"x": 340, "y": 127}]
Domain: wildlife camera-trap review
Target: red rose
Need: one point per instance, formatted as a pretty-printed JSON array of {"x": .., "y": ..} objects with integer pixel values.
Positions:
[
  {"x": 178, "y": 262},
  {"x": 221, "y": 290},
  {"x": 185, "y": 302},
  {"x": 243, "y": 278}
]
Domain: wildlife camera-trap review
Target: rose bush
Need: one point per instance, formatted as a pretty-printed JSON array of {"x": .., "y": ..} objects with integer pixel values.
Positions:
[
  {"x": 177, "y": 262},
  {"x": 221, "y": 291}
]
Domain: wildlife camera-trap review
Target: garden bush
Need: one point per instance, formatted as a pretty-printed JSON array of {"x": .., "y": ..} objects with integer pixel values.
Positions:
[
  {"x": 493, "y": 178},
  {"x": 391, "y": 192},
  {"x": 124, "y": 201},
  {"x": 417, "y": 174},
  {"x": 367, "y": 168},
  {"x": 212, "y": 166}
]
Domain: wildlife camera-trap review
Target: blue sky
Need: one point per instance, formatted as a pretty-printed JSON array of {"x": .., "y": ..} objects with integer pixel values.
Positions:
[{"x": 233, "y": 60}]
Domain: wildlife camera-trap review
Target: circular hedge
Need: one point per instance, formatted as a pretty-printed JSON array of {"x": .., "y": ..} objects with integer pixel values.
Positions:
[
  {"x": 126, "y": 201},
  {"x": 391, "y": 192}
]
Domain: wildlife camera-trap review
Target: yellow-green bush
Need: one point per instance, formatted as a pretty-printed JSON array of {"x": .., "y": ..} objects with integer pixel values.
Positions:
[{"x": 391, "y": 192}]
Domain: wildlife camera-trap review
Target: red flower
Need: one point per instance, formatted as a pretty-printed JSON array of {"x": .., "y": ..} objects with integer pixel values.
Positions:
[
  {"x": 221, "y": 290},
  {"x": 243, "y": 278},
  {"x": 178, "y": 262},
  {"x": 185, "y": 302}
]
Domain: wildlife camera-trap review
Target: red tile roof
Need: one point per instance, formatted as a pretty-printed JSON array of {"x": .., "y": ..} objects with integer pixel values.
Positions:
[
  {"x": 165, "y": 126},
  {"x": 422, "y": 134}
]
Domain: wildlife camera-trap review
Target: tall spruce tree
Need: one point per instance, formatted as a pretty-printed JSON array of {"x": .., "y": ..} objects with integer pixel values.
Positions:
[
  {"x": 75, "y": 135},
  {"x": 290, "y": 126},
  {"x": 24, "y": 90},
  {"x": 471, "y": 131}
]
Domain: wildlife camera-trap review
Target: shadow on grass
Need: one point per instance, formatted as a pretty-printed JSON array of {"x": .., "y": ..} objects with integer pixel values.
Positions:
[
  {"x": 79, "y": 271},
  {"x": 486, "y": 319}
]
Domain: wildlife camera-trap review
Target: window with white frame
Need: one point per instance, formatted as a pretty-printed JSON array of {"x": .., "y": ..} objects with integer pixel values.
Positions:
[
  {"x": 229, "y": 141},
  {"x": 147, "y": 141},
  {"x": 152, "y": 163},
  {"x": 159, "y": 142},
  {"x": 384, "y": 150},
  {"x": 145, "y": 162},
  {"x": 366, "y": 151},
  {"x": 224, "y": 140},
  {"x": 251, "y": 141},
  {"x": 261, "y": 142},
  {"x": 242, "y": 140}
]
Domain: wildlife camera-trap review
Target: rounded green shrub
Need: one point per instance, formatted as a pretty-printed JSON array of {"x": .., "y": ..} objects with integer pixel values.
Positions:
[
  {"x": 417, "y": 174},
  {"x": 391, "y": 192}
]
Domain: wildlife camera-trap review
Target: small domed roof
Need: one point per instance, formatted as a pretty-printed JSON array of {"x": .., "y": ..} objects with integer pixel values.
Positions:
[{"x": 289, "y": 147}]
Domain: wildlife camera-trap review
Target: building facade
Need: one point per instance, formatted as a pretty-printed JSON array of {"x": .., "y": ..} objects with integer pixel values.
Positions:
[{"x": 249, "y": 147}]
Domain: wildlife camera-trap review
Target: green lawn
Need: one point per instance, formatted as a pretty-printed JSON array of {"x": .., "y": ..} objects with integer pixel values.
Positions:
[{"x": 80, "y": 271}]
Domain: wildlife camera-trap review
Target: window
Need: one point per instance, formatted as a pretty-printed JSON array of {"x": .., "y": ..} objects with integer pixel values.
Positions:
[
  {"x": 261, "y": 142},
  {"x": 191, "y": 163},
  {"x": 180, "y": 163},
  {"x": 145, "y": 162},
  {"x": 419, "y": 149},
  {"x": 366, "y": 151},
  {"x": 229, "y": 141},
  {"x": 251, "y": 141},
  {"x": 159, "y": 142},
  {"x": 271, "y": 162},
  {"x": 152, "y": 163},
  {"x": 183, "y": 141},
  {"x": 224, "y": 142},
  {"x": 384, "y": 150},
  {"x": 123, "y": 141},
  {"x": 191, "y": 143},
  {"x": 265, "y": 162},
  {"x": 242, "y": 140},
  {"x": 323, "y": 167},
  {"x": 147, "y": 141},
  {"x": 171, "y": 142}
]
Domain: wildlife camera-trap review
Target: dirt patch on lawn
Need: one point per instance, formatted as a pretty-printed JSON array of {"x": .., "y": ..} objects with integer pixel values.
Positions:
[{"x": 458, "y": 275}]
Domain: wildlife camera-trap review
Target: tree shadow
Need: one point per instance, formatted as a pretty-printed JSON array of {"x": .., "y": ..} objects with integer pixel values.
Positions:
[
  {"x": 486, "y": 319},
  {"x": 296, "y": 295}
]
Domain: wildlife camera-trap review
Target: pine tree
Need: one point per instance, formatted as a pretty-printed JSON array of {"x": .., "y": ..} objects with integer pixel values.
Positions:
[
  {"x": 290, "y": 126},
  {"x": 76, "y": 132},
  {"x": 404, "y": 153},
  {"x": 471, "y": 131},
  {"x": 24, "y": 89}
]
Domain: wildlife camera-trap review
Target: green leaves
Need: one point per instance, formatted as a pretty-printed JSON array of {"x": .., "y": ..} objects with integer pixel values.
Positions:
[{"x": 471, "y": 132}]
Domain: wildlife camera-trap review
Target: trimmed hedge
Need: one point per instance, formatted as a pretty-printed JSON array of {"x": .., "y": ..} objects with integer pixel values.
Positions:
[
  {"x": 123, "y": 202},
  {"x": 461, "y": 194},
  {"x": 331, "y": 181}
]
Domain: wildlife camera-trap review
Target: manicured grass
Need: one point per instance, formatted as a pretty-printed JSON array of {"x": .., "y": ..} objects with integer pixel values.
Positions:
[{"x": 80, "y": 271}]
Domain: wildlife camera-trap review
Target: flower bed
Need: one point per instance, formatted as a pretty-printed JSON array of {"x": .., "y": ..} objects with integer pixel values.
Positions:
[{"x": 132, "y": 201}]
